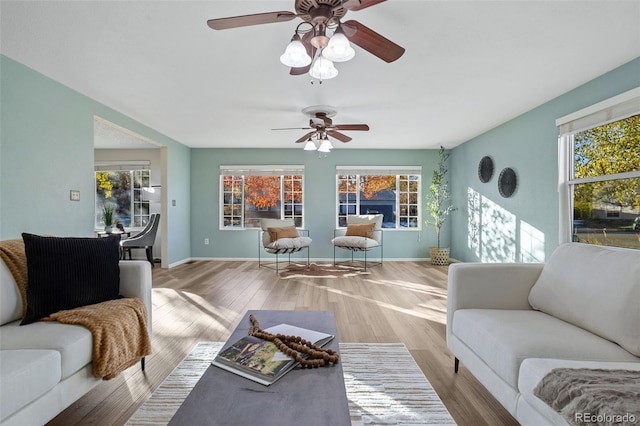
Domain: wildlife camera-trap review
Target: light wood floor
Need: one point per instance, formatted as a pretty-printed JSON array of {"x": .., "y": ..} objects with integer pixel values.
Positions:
[{"x": 204, "y": 300}]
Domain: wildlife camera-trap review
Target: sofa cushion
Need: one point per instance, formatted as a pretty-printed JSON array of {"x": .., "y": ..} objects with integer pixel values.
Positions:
[
  {"x": 10, "y": 299},
  {"x": 64, "y": 273},
  {"x": 73, "y": 342},
  {"x": 595, "y": 288},
  {"x": 288, "y": 244},
  {"x": 355, "y": 242},
  {"x": 533, "y": 370},
  {"x": 25, "y": 375},
  {"x": 504, "y": 338}
]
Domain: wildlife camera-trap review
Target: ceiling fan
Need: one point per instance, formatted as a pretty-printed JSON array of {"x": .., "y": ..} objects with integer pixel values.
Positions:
[
  {"x": 322, "y": 127},
  {"x": 311, "y": 52}
]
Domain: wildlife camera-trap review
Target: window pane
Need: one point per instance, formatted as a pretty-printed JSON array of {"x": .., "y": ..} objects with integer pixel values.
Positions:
[
  {"x": 394, "y": 196},
  {"x": 114, "y": 188},
  {"x": 409, "y": 207},
  {"x": 232, "y": 201},
  {"x": 607, "y": 213},
  {"x": 292, "y": 198},
  {"x": 378, "y": 196},
  {"x": 248, "y": 199},
  {"x": 347, "y": 197},
  {"x": 262, "y": 199},
  {"x": 608, "y": 149}
]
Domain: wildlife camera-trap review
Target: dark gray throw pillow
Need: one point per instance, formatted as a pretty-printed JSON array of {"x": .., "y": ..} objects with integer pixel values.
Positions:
[{"x": 65, "y": 273}]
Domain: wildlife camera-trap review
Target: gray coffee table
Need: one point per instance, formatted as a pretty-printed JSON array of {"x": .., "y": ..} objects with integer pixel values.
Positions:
[{"x": 303, "y": 396}]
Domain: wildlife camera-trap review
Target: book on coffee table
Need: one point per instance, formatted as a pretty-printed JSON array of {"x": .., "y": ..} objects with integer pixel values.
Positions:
[{"x": 261, "y": 360}]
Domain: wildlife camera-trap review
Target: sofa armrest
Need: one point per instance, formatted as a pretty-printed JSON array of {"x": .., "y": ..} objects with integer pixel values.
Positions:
[
  {"x": 135, "y": 281},
  {"x": 491, "y": 285}
]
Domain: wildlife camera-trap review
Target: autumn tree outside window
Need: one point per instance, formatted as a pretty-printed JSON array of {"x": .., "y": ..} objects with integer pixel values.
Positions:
[
  {"x": 599, "y": 165},
  {"x": 393, "y": 191},
  {"x": 250, "y": 193}
]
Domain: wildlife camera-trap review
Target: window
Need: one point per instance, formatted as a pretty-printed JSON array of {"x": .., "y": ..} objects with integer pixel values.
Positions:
[
  {"x": 600, "y": 173},
  {"x": 250, "y": 193},
  {"x": 123, "y": 190},
  {"x": 393, "y": 192}
]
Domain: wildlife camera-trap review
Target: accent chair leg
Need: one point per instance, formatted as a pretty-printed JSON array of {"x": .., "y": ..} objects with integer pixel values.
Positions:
[
  {"x": 142, "y": 363},
  {"x": 456, "y": 365},
  {"x": 149, "y": 251},
  {"x": 365, "y": 260}
]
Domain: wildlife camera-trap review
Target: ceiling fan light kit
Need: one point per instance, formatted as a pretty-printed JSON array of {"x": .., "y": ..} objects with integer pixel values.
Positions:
[
  {"x": 323, "y": 69},
  {"x": 325, "y": 146},
  {"x": 339, "y": 49},
  {"x": 310, "y": 146},
  {"x": 315, "y": 52},
  {"x": 295, "y": 56}
]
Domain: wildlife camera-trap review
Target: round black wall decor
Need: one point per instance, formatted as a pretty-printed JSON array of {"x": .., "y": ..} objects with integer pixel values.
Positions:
[
  {"x": 485, "y": 169},
  {"x": 507, "y": 182}
]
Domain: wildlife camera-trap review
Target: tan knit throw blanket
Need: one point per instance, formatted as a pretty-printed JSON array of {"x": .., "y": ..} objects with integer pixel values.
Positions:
[
  {"x": 14, "y": 256},
  {"x": 118, "y": 327}
]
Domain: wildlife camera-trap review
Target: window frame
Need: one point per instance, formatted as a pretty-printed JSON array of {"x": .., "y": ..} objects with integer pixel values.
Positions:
[
  {"x": 614, "y": 109},
  {"x": 396, "y": 171},
  {"x": 242, "y": 172}
]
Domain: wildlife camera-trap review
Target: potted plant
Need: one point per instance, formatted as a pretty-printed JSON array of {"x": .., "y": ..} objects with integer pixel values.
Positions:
[
  {"x": 107, "y": 217},
  {"x": 439, "y": 206}
]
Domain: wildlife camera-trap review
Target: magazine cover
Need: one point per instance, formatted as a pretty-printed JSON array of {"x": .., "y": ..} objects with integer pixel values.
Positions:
[{"x": 261, "y": 360}]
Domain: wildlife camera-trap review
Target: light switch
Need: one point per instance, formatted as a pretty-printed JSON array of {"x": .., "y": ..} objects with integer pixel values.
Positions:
[
  {"x": 173, "y": 203},
  {"x": 74, "y": 195}
]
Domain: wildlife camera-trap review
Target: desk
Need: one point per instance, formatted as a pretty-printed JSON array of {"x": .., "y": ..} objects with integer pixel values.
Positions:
[{"x": 312, "y": 397}]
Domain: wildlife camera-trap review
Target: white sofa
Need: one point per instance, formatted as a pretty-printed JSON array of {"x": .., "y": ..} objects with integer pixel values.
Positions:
[
  {"x": 511, "y": 324},
  {"x": 46, "y": 366}
]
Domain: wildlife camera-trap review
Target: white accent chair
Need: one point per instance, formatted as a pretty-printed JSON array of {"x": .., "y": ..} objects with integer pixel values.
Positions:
[
  {"x": 363, "y": 233},
  {"x": 280, "y": 236}
]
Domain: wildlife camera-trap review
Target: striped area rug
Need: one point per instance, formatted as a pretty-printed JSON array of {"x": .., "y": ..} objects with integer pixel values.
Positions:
[{"x": 395, "y": 393}]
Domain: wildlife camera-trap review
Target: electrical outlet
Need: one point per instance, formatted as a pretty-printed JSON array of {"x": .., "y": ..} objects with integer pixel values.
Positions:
[
  {"x": 206, "y": 241},
  {"x": 74, "y": 195}
]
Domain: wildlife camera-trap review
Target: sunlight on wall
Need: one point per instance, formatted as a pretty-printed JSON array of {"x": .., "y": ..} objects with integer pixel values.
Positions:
[
  {"x": 531, "y": 243},
  {"x": 493, "y": 233}
]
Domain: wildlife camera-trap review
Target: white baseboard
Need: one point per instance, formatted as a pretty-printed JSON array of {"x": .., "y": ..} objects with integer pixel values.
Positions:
[{"x": 323, "y": 260}]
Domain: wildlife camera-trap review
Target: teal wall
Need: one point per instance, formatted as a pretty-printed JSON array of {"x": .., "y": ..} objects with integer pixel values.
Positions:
[
  {"x": 46, "y": 149},
  {"x": 320, "y": 199},
  {"x": 488, "y": 227}
]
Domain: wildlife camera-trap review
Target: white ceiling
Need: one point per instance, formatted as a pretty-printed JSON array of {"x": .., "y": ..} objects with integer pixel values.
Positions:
[{"x": 468, "y": 66}]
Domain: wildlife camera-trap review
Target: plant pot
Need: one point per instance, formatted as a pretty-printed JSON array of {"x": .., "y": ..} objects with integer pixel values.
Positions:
[
  {"x": 108, "y": 229},
  {"x": 439, "y": 256}
]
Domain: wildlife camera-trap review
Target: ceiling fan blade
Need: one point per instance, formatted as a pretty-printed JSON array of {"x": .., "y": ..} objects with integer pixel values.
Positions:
[
  {"x": 371, "y": 41},
  {"x": 247, "y": 20},
  {"x": 351, "y": 127},
  {"x": 341, "y": 137},
  {"x": 305, "y": 137},
  {"x": 311, "y": 51},
  {"x": 359, "y": 4},
  {"x": 292, "y": 128}
]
